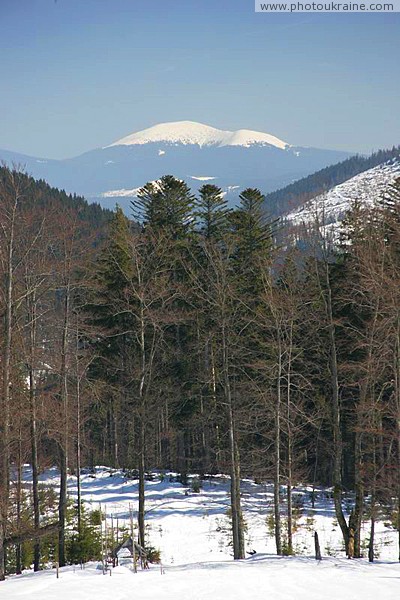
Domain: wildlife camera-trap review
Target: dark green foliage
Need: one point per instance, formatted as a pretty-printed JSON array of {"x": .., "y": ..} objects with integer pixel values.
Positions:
[
  {"x": 40, "y": 195},
  {"x": 253, "y": 235},
  {"x": 212, "y": 212},
  {"x": 107, "y": 313},
  {"x": 252, "y": 230},
  {"x": 115, "y": 268},
  {"x": 390, "y": 214},
  {"x": 48, "y": 544},
  {"x": 84, "y": 545},
  {"x": 153, "y": 555},
  {"x": 113, "y": 276},
  {"x": 165, "y": 205}
]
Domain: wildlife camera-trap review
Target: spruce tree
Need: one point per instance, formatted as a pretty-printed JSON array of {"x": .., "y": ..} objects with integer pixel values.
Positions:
[
  {"x": 389, "y": 214},
  {"x": 115, "y": 267},
  {"x": 104, "y": 314},
  {"x": 211, "y": 211},
  {"x": 254, "y": 241},
  {"x": 253, "y": 230},
  {"x": 165, "y": 205}
]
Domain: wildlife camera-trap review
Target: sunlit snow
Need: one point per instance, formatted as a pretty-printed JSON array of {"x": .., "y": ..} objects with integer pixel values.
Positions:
[
  {"x": 190, "y": 132},
  {"x": 192, "y": 531},
  {"x": 366, "y": 188}
]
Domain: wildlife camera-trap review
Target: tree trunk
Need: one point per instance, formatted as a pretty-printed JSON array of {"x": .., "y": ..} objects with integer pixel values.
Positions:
[
  {"x": 359, "y": 501},
  {"x": 18, "y": 549},
  {"x": 277, "y": 469},
  {"x": 63, "y": 446},
  {"x": 78, "y": 438},
  {"x": 62, "y": 506},
  {"x": 236, "y": 509},
  {"x": 141, "y": 507},
  {"x": 289, "y": 448},
  {"x": 237, "y": 518},
  {"x": 397, "y": 419},
  {"x": 5, "y": 405},
  {"x": 372, "y": 532},
  {"x": 33, "y": 428},
  {"x": 336, "y": 416}
]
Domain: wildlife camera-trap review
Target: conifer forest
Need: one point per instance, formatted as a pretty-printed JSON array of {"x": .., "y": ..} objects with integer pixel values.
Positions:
[{"x": 193, "y": 338}]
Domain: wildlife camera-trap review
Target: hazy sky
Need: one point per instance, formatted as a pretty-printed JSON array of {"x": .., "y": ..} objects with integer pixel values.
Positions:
[{"x": 79, "y": 74}]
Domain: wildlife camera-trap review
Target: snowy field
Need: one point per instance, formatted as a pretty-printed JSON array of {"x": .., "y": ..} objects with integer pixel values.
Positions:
[{"x": 192, "y": 531}]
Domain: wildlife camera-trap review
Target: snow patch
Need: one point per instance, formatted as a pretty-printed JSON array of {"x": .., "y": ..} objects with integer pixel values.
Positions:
[
  {"x": 121, "y": 193},
  {"x": 190, "y": 132},
  {"x": 366, "y": 188}
]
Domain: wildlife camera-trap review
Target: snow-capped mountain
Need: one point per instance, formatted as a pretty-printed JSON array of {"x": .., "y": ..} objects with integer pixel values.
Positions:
[
  {"x": 192, "y": 133},
  {"x": 193, "y": 152},
  {"x": 330, "y": 208}
]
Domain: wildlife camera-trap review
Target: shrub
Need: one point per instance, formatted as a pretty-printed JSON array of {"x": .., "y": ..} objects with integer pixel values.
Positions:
[
  {"x": 196, "y": 485},
  {"x": 84, "y": 545},
  {"x": 153, "y": 555}
]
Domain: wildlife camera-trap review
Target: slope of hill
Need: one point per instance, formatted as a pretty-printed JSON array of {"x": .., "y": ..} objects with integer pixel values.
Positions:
[
  {"x": 366, "y": 188},
  {"x": 191, "y": 151},
  {"x": 192, "y": 532},
  {"x": 289, "y": 198},
  {"x": 45, "y": 195}
]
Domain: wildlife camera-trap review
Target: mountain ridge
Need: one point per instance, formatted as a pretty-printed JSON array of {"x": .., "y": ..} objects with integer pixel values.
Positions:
[
  {"x": 195, "y": 133},
  {"x": 191, "y": 151}
]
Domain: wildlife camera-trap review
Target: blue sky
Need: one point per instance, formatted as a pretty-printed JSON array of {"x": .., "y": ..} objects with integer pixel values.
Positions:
[{"x": 79, "y": 74}]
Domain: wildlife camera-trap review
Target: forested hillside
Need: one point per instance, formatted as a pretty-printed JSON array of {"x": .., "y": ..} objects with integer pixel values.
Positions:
[
  {"x": 294, "y": 195},
  {"x": 190, "y": 343}
]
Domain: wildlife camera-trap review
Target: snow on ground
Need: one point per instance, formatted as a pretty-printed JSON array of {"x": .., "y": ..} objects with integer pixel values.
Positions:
[
  {"x": 366, "y": 188},
  {"x": 260, "y": 578},
  {"x": 192, "y": 531}
]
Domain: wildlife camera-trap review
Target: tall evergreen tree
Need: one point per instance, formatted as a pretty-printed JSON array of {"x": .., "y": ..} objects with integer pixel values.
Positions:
[
  {"x": 165, "y": 204},
  {"x": 114, "y": 326},
  {"x": 212, "y": 212},
  {"x": 254, "y": 240}
]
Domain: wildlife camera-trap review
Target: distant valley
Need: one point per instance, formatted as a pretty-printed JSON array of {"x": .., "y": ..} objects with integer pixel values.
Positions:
[{"x": 194, "y": 152}]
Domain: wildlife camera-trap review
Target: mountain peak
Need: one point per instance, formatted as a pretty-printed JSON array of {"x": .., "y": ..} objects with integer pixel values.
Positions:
[{"x": 190, "y": 132}]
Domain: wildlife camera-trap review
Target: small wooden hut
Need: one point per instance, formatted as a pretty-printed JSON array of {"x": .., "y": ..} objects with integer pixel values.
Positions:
[{"x": 133, "y": 547}]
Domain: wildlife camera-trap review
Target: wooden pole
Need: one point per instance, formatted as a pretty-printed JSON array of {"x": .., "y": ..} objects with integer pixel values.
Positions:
[
  {"x": 112, "y": 540},
  {"x": 105, "y": 541},
  {"x": 133, "y": 541},
  {"x": 116, "y": 558},
  {"x": 101, "y": 538},
  {"x": 317, "y": 547}
]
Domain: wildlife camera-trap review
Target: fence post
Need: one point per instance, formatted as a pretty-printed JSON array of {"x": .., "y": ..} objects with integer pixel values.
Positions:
[{"x": 317, "y": 547}]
